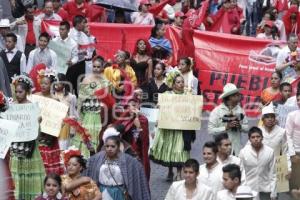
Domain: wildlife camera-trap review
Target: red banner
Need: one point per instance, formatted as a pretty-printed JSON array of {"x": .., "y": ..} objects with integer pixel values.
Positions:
[{"x": 220, "y": 58}]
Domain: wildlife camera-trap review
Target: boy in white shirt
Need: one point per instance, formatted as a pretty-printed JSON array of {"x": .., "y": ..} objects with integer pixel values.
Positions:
[
  {"x": 258, "y": 161},
  {"x": 231, "y": 181},
  {"x": 190, "y": 188},
  {"x": 211, "y": 172}
]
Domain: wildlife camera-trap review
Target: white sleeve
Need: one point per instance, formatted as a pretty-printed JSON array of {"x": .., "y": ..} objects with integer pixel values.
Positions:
[
  {"x": 54, "y": 59},
  {"x": 273, "y": 179},
  {"x": 30, "y": 62},
  {"x": 213, "y": 124},
  {"x": 289, "y": 127},
  {"x": 280, "y": 58},
  {"x": 74, "y": 54},
  {"x": 20, "y": 46},
  {"x": 170, "y": 194},
  {"x": 23, "y": 64}
]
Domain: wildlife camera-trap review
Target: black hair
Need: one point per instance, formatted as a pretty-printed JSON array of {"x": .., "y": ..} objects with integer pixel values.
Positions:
[
  {"x": 99, "y": 59},
  {"x": 271, "y": 13},
  {"x": 116, "y": 139},
  {"x": 66, "y": 24},
  {"x": 120, "y": 128},
  {"x": 63, "y": 78},
  {"x": 12, "y": 35},
  {"x": 279, "y": 74},
  {"x": 212, "y": 145},
  {"x": 176, "y": 76},
  {"x": 45, "y": 35},
  {"x": 255, "y": 129},
  {"x": 155, "y": 28},
  {"x": 220, "y": 137},
  {"x": 80, "y": 160},
  {"x": 55, "y": 177},
  {"x": 187, "y": 61},
  {"x": 233, "y": 170},
  {"x": 127, "y": 54},
  {"x": 284, "y": 84},
  {"x": 192, "y": 163},
  {"x": 78, "y": 19},
  {"x": 24, "y": 86}
]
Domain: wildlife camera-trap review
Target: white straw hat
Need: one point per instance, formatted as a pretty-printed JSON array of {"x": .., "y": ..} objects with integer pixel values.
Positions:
[
  {"x": 228, "y": 90},
  {"x": 244, "y": 191},
  {"x": 4, "y": 23},
  {"x": 269, "y": 109}
]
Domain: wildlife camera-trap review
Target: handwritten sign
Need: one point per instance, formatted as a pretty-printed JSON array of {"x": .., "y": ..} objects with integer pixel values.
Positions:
[
  {"x": 180, "y": 112},
  {"x": 150, "y": 113},
  {"x": 52, "y": 112},
  {"x": 8, "y": 130},
  {"x": 63, "y": 53},
  {"x": 282, "y": 112},
  {"x": 281, "y": 172},
  {"x": 27, "y": 116}
]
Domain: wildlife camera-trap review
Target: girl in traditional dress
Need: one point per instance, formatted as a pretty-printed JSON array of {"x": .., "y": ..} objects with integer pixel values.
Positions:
[
  {"x": 171, "y": 147},
  {"x": 49, "y": 146},
  {"x": 142, "y": 62},
  {"x": 27, "y": 167},
  {"x": 6, "y": 182},
  {"x": 62, "y": 94},
  {"x": 118, "y": 174},
  {"x": 52, "y": 188},
  {"x": 75, "y": 186},
  {"x": 272, "y": 93},
  {"x": 89, "y": 106}
]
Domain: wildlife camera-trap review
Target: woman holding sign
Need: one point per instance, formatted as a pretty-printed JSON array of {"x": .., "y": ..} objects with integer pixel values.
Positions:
[
  {"x": 171, "y": 147},
  {"x": 49, "y": 146},
  {"x": 26, "y": 163}
]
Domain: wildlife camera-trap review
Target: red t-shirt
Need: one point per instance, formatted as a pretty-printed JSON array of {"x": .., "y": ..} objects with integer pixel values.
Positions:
[
  {"x": 63, "y": 14},
  {"x": 73, "y": 9}
]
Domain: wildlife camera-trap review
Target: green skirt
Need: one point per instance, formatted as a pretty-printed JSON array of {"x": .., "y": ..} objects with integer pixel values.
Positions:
[
  {"x": 167, "y": 148},
  {"x": 28, "y": 175},
  {"x": 92, "y": 122}
]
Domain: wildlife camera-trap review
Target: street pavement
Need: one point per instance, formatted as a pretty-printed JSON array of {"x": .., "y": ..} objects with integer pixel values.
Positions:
[{"x": 158, "y": 184}]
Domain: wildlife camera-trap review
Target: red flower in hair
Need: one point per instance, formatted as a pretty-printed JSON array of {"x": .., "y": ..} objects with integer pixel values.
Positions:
[{"x": 68, "y": 154}]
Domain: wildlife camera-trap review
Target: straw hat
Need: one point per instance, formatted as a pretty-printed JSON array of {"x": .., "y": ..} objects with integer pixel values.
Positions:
[
  {"x": 244, "y": 191},
  {"x": 228, "y": 90},
  {"x": 4, "y": 23}
]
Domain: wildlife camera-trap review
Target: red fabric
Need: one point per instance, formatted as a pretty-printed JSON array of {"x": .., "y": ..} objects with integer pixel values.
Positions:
[
  {"x": 63, "y": 14},
  {"x": 295, "y": 85},
  {"x": 51, "y": 158},
  {"x": 72, "y": 9},
  {"x": 156, "y": 9},
  {"x": 289, "y": 27},
  {"x": 96, "y": 13},
  {"x": 33, "y": 74},
  {"x": 30, "y": 37},
  {"x": 105, "y": 97},
  {"x": 281, "y": 5}
]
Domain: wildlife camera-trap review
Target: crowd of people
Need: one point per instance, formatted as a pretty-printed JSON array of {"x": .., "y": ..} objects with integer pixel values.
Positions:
[{"x": 103, "y": 149}]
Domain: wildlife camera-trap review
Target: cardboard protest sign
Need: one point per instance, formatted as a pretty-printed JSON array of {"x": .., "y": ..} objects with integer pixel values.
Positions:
[
  {"x": 180, "y": 112},
  {"x": 27, "y": 116},
  {"x": 8, "y": 130},
  {"x": 281, "y": 172},
  {"x": 63, "y": 53},
  {"x": 52, "y": 112}
]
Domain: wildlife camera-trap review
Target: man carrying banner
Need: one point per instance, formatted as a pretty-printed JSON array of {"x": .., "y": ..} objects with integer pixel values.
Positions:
[{"x": 229, "y": 117}]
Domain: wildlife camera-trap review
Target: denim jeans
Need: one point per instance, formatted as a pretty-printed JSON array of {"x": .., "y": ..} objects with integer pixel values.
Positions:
[{"x": 253, "y": 17}]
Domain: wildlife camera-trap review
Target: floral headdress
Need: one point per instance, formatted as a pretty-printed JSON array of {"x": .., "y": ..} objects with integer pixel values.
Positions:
[
  {"x": 22, "y": 79},
  {"x": 70, "y": 152},
  {"x": 171, "y": 76},
  {"x": 47, "y": 73},
  {"x": 3, "y": 102}
]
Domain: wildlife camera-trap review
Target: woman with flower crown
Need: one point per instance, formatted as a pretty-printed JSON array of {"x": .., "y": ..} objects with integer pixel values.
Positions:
[
  {"x": 49, "y": 146},
  {"x": 74, "y": 185},
  {"x": 26, "y": 166},
  {"x": 171, "y": 147},
  {"x": 89, "y": 106}
]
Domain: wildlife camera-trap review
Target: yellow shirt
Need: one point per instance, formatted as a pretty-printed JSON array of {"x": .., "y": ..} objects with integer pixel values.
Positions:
[{"x": 113, "y": 74}]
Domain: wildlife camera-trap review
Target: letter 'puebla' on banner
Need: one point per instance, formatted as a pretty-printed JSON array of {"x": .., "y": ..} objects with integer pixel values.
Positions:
[
  {"x": 27, "y": 117},
  {"x": 52, "y": 112},
  {"x": 8, "y": 131},
  {"x": 281, "y": 172},
  {"x": 180, "y": 112},
  {"x": 224, "y": 58}
]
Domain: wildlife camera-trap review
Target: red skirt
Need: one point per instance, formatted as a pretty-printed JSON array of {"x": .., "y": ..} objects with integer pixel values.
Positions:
[{"x": 51, "y": 158}]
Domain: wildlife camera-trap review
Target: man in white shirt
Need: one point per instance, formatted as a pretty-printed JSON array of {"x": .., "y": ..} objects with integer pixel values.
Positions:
[
  {"x": 231, "y": 181},
  {"x": 14, "y": 60},
  {"x": 64, "y": 29},
  {"x": 211, "y": 172},
  {"x": 258, "y": 161},
  {"x": 190, "y": 188},
  {"x": 42, "y": 54},
  {"x": 285, "y": 62}
]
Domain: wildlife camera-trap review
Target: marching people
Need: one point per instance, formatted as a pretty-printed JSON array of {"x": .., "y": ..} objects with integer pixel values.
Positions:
[{"x": 229, "y": 117}]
